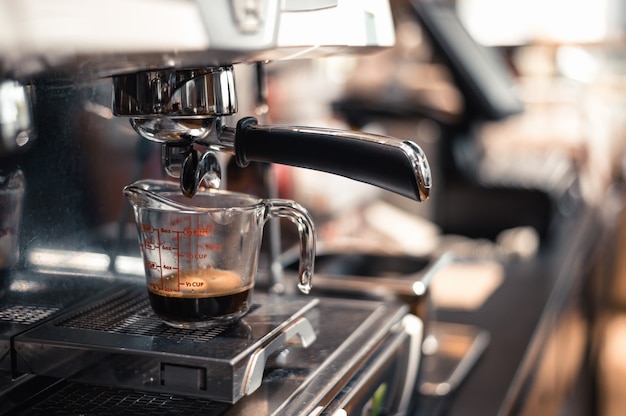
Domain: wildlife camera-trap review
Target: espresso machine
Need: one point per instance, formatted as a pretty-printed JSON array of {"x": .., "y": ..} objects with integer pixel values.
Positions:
[{"x": 77, "y": 335}]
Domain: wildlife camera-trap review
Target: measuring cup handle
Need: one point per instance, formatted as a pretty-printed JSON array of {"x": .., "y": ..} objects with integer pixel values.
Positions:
[{"x": 297, "y": 214}]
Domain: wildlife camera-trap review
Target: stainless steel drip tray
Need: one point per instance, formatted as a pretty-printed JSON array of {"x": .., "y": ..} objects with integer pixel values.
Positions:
[
  {"x": 28, "y": 298},
  {"x": 120, "y": 342}
]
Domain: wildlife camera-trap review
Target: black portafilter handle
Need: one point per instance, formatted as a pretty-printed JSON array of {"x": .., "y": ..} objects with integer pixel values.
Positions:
[{"x": 393, "y": 164}]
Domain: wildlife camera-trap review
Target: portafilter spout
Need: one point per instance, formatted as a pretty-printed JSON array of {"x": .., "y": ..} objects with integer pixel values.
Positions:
[{"x": 183, "y": 109}]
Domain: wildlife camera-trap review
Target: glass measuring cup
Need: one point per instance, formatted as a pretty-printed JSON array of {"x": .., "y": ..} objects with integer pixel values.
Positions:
[{"x": 201, "y": 254}]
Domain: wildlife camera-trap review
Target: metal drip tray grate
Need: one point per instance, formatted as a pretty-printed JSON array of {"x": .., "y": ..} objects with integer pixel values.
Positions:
[
  {"x": 77, "y": 399},
  {"x": 29, "y": 299},
  {"x": 129, "y": 312},
  {"x": 252, "y": 367},
  {"x": 25, "y": 314},
  {"x": 119, "y": 341}
]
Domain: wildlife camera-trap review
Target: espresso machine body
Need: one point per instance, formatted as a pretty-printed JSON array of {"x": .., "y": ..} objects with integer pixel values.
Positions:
[{"x": 95, "y": 95}]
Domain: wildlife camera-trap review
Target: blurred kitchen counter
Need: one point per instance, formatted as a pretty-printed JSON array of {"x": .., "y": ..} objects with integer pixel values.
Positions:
[{"x": 543, "y": 320}]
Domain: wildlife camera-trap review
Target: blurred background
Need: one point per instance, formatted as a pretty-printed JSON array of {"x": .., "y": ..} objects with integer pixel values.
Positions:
[{"x": 502, "y": 174}]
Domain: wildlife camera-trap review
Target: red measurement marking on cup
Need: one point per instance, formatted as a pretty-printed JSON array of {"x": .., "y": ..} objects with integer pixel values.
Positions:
[
  {"x": 162, "y": 288},
  {"x": 192, "y": 284},
  {"x": 179, "y": 220},
  {"x": 211, "y": 247},
  {"x": 193, "y": 256},
  {"x": 177, "y": 256},
  {"x": 149, "y": 244},
  {"x": 200, "y": 231}
]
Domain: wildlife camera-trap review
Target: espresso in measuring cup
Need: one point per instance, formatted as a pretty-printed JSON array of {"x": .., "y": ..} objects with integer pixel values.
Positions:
[
  {"x": 184, "y": 241},
  {"x": 197, "y": 295}
]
